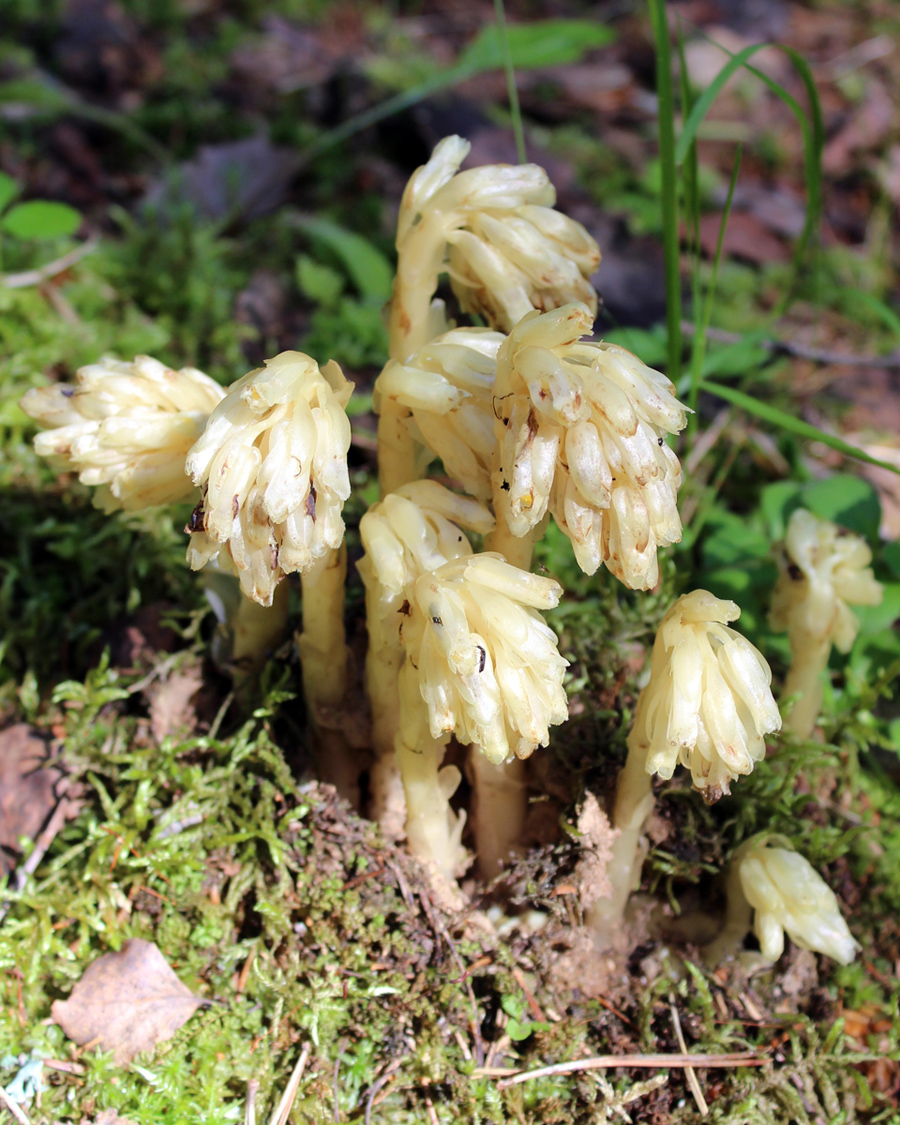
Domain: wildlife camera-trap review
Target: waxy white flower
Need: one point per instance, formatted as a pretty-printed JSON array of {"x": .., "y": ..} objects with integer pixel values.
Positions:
[
  {"x": 823, "y": 571},
  {"x": 581, "y": 429},
  {"x": 509, "y": 251},
  {"x": 708, "y": 704},
  {"x": 485, "y": 661},
  {"x": 272, "y": 463},
  {"x": 125, "y": 428},
  {"x": 447, "y": 388},
  {"x": 416, "y": 530},
  {"x": 789, "y": 896}
]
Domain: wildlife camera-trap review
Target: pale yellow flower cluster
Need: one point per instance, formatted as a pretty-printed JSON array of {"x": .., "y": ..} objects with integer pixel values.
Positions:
[
  {"x": 823, "y": 571},
  {"x": 581, "y": 430},
  {"x": 708, "y": 705},
  {"x": 447, "y": 388},
  {"x": 272, "y": 464},
  {"x": 125, "y": 428},
  {"x": 483, "y": 658},
  {"x": 789, "y": 896},
  {"x": 509, "y": 251}
]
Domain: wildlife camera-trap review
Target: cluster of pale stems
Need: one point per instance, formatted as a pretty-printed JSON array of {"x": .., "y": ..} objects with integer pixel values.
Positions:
[{"x": 534, "y": 420}]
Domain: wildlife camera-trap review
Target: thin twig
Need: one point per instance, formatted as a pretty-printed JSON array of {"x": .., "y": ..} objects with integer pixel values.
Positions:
[
  {"x": 432, "y": 1115},
  {"x": 43, "y": 842},
  {"x": 284, "y": 1107},
  {"x": 337, "y": 1108},
  {"x": 801, "y": 351},
  {"x": 51, "y": 269},
  {"x": 17, "y": 1111},
  {"x": 689, "y": 1072},
  {"x": 608, "y": 1062},
  {"x": 533, "y": 1006},
  {"x": 250, "y": 1111},
  {"x": 373, "y": 1090}
]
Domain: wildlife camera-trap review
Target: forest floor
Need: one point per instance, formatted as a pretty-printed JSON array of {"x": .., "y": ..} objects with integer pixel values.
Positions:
[{"x": 238, "y": 197}]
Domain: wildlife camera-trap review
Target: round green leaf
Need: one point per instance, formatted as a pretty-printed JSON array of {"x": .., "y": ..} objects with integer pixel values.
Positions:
[
  {"x": 41, "y": 219},
  {"x": 9, "y": 189}
]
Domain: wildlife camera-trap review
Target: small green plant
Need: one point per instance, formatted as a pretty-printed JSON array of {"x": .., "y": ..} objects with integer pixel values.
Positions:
[{"x": 37, "y": 220}]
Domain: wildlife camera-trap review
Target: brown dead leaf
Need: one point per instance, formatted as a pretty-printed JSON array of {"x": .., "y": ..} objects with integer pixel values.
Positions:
[
  {"x": 746, "y": 236},
  {"x": 27, "y": 790},
  {"x": 171, "y": 709},
  {"x": 597, "y": 836},
  {"x": 109, "y": 1117},
  {"x": 126, "y": 1002}
]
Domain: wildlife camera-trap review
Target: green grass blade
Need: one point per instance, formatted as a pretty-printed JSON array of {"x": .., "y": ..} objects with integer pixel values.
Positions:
[
  {"x": 793, "y": 425},
  {"x": 512, "y": 90},
  {"x": 669, "y": 192},
  {"x": 699, "y": 351},
  {"x": 811, "y": 126}
]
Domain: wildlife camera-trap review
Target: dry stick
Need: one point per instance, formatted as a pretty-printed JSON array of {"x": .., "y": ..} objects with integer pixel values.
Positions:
[
  {"x": 52, "y": 269},
  {"x": 250, "y": 1111},
  {"x": 43, "y": 842},
  {"x": 801, "y": 351},
  {"x": 283, "y": 1110},
  {"x": 689, "y": 1072},
  {"x": 15, "y": 1110},
  {"x": 607, "y": 1062}
]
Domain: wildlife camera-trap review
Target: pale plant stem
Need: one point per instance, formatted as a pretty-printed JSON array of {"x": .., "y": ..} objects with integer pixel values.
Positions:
[
  {"x": 433, "y": 830},
  {"x": 634, "y": 803},
  {"x": 499, "y": 809},
  {"x": 383, "y": 662},
  {"x": 738, "y": 921},
  {"x": 804, "y": 679},
  {"x": 256, "y": 631},
  {"x": 411, "y": 326},
  {"x": 324, "y": 659}
]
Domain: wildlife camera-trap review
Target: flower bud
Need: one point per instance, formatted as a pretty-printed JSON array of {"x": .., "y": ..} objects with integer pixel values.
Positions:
[
  {"x": 708, "y": 704},
  {"x": 488, "y": 667},
  {"x": 125, "y": 428},
  {"x": 789, "y": 896},
  {"x": 581, "y": 430},
  {"x": 272, "y": 463}
]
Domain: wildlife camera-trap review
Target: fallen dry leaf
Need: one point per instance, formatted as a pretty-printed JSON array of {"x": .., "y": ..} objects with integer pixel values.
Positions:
[
  {"x": 171, "y": 710},
  {"x": 109, "y": 1117},
  {"x": 126, "y": 1002},
  {"x": 27, "y": 790}
]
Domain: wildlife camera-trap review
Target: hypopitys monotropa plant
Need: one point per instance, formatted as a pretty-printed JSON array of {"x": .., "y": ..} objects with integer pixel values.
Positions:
[
  {"x": 272, "y": 466},
  {"x": 507, "y": 251},
  {"x": 823, "y": 571},
  {"x": 581, "y": 430},
  {"x": 776, "y": 891},
  {"x": 708, "y": 706},
  {"x": 481, "y": 664},
  {"x": 410, "y": 532}
]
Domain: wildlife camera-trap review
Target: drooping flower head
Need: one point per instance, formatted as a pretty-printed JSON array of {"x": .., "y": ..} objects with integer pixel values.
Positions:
[
  {"x": 823, "y": 571},
  {"x": 125, "y": 428},
  {"x": 481, "y": 656},
  {"x": 581, "y": 429},
  {"x": 708, "y": 705},
  {"x": 447, "y": 387},
  {"x": 272, "y": 464},
  {"x": 416, "y": 530},
  {"x": 509, "y": 251},
  {"x": 789, "y": 896}
]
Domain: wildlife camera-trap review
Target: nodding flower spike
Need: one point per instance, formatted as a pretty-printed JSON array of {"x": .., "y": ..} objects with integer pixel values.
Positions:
[
  {"x": 823, "y": 571},
  {"x": 789, "y": 896},
  {"x": 272, "y": 464},
  {"x": 125, "y": 428},
  {"x": 581, "y": 428},
  {"x": 708, "y": 704},
  {"x": 496, "y": 232},
  {"x": 485, "y": 662}
]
